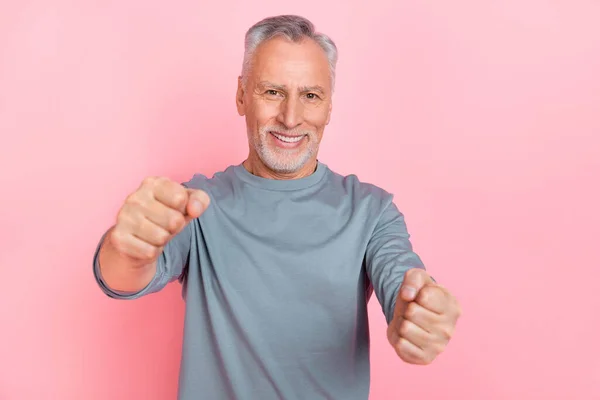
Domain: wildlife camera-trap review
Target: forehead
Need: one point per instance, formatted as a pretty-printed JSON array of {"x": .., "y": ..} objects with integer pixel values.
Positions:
[{"x": 294, "y": 64}]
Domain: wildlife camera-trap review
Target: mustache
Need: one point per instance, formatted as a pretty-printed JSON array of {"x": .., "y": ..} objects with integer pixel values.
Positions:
[{"x": 284, "y": 131}]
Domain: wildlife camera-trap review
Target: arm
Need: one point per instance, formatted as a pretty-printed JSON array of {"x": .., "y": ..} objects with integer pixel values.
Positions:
[
  {"x": 120, "y": 276},
  {"x": 149, "y": 245},
  {"x": 389, "y": 255},
  {"x": 421, "y": 314}
]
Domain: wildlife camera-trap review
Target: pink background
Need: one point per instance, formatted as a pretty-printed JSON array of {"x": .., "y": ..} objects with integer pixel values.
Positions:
[{"x": 483, "y": 117}]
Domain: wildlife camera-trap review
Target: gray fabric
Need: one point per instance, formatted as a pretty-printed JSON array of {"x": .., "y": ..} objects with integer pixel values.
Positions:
[{"x": 276, "y": 277}]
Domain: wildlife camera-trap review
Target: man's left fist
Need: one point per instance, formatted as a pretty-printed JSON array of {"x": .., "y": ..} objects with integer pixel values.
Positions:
[{"x": 424, "y": 318}]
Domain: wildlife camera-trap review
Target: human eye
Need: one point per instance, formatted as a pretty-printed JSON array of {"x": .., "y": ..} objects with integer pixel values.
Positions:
[
  {"x": 272, "y": 92},
  {"x": 312, "y": 96}
]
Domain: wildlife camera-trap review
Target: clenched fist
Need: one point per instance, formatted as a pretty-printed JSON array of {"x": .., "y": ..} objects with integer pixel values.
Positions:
[
  {"x": 158, "y": 210},
  {"x": 424, "y": 320}
]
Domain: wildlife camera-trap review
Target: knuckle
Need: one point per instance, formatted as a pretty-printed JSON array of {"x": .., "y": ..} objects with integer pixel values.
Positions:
[
  {"x": 404, "y": 356},
  {"x": 459, "y": 311},
  {"x": 438, "y": 348},
  {"x": 117, "y": 238},
  {"x": 411, "y": 311},
  {"x": 162, "y": 237},
  {"x": 429, "y": 357},
  {"x": 119, "y": 241},
  {"x": 430, "y": 290},
  {"x": 401, "y": 351},
  {"x": 404, "y": 328},
  {"x": 427, "y": 294},
  {"x": 149, "y": 181},
  {"x": 134, "y": 199},
  {"x": 138, "y": 225},
  {"x": 152, "y": 252},
  {"x": 179, "y": 198},
  {"x": 126, "y": 212},
  {"x": 121, "y": 217},
  {"x": 447, "y": 332},
  {"x": 176, "y": 222},
  {"x": 393, "y": 336}
]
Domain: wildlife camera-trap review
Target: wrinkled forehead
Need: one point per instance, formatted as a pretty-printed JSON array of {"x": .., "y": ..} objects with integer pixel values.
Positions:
[{"x": 293, "y": 65}]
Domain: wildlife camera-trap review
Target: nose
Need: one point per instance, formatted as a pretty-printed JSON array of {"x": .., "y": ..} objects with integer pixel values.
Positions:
[{"x": 291, "y": 113}]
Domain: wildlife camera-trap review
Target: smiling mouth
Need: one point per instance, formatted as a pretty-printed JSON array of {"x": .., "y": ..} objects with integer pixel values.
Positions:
[{"x": 287, "y": 139}]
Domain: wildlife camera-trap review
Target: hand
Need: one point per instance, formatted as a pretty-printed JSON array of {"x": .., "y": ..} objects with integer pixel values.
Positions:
[
  {"x": 424, "y": 319},
  {"x": 152, "y": 215}
]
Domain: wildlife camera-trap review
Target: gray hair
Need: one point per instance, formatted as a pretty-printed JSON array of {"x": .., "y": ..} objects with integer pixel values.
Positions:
[{"x": 295, "y": 29}]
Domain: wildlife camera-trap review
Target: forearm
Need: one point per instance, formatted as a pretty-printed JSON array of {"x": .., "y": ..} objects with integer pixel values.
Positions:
[
  {"x": 122, "y": 273},
  {"x": 389, "y": 255}
]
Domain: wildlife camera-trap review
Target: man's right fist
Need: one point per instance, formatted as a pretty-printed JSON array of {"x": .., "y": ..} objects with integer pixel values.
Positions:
[{"x": 158, "y": 210}]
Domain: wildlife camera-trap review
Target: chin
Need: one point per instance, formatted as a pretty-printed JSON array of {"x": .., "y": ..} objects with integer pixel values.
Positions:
[
  {"x": 285, "y": 165},
  {"x": 284, "y": 168},
  {"x": 280, "y": 161}
]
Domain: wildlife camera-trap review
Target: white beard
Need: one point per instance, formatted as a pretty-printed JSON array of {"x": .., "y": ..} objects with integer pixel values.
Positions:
[{"x": 280, "y": 160}]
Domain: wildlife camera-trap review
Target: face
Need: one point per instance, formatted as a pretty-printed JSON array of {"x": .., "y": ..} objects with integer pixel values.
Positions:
[{"x": 287, "y": 104}]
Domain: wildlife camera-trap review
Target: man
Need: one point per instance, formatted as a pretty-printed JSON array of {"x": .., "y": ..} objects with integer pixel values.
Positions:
[{"x": 278, "y": 255}]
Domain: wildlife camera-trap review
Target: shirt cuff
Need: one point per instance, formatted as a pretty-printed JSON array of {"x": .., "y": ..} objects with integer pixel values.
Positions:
[{"x": 117, "y": 294}]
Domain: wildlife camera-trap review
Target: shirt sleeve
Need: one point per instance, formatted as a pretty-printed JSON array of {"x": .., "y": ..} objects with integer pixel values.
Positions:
[
  {"x": 388, "y": 256},
  {"x": 170, "y": 265}
]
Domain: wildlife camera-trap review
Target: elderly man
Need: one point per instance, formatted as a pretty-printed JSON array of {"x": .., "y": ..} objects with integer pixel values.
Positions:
[{"x": 278, "y": 255}]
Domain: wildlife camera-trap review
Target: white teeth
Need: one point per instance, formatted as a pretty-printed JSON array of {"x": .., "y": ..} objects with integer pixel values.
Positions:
[{"x": 288, "y": 139}]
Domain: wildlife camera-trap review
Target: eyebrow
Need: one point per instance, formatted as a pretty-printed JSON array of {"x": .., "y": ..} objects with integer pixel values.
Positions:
[{"x": 304, "y": 89}]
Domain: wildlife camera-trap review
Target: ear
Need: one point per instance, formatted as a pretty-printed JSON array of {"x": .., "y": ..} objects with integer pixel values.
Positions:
[
  {"x": 329, "y": 113},
  {"x": 239, "y": 98}
]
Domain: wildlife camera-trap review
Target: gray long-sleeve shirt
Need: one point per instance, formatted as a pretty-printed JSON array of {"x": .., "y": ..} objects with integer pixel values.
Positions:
[{"x": 276, "y": 276}]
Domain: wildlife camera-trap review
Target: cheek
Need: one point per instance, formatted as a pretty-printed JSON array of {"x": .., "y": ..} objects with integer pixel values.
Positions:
[
  {"x": 317, "y": 117},
  {"x": 264, "y": 112}
]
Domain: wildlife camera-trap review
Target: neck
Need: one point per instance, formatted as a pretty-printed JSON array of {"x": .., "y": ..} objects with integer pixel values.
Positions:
[{"x": 256, "y": 167}]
